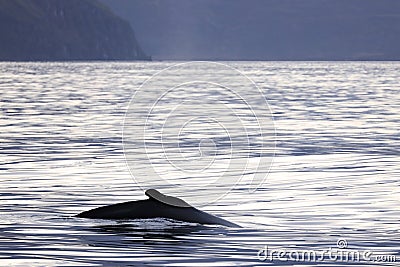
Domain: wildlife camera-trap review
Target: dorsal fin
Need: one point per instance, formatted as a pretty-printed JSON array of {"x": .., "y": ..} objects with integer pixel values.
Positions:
[{"x": 172, "y": 201}]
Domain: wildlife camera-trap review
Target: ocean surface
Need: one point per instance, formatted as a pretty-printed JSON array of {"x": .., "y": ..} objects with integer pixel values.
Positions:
[{"x": 332, "y": 175}]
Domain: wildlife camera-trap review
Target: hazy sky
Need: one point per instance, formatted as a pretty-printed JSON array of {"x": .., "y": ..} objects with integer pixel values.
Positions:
[{"x": 265, "y": 29}]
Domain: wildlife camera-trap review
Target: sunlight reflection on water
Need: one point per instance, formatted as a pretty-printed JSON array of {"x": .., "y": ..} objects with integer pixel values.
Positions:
[{"x": 335, "y": 174}]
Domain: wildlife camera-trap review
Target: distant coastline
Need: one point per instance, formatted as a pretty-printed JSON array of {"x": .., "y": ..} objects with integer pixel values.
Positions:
[
  {"x": 57, "y": 30},
  {"x": 270, "y": 30}
]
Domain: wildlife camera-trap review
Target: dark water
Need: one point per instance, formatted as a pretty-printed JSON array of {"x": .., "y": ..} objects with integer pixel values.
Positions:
[{"x": 335, "y": 175}]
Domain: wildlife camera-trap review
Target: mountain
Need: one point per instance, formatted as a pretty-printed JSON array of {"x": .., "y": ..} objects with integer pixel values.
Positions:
[
  {"x": 48, "y": 30},
  {"x": 265, "y": 29}
]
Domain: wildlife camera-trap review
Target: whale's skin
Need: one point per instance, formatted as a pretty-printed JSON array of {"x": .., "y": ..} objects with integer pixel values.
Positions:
[{"x": 151, "y": 208}]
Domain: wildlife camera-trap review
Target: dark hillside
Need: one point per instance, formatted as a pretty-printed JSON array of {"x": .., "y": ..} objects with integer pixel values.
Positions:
[{"x": 64, "y": 30}]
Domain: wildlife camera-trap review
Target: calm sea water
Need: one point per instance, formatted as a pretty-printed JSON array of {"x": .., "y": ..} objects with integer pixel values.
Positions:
[{"x": 335, "y": 174}]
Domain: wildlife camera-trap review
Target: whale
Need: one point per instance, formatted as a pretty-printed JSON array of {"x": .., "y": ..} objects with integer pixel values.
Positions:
[{"x": 157, "y": 205}]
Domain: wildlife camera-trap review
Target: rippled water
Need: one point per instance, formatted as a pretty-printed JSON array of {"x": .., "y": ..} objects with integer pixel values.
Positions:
[{"x": 335, "y": 174}]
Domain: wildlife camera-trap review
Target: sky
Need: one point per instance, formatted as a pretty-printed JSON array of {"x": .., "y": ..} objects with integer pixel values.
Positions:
[{"x": 265, "y": 29}]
